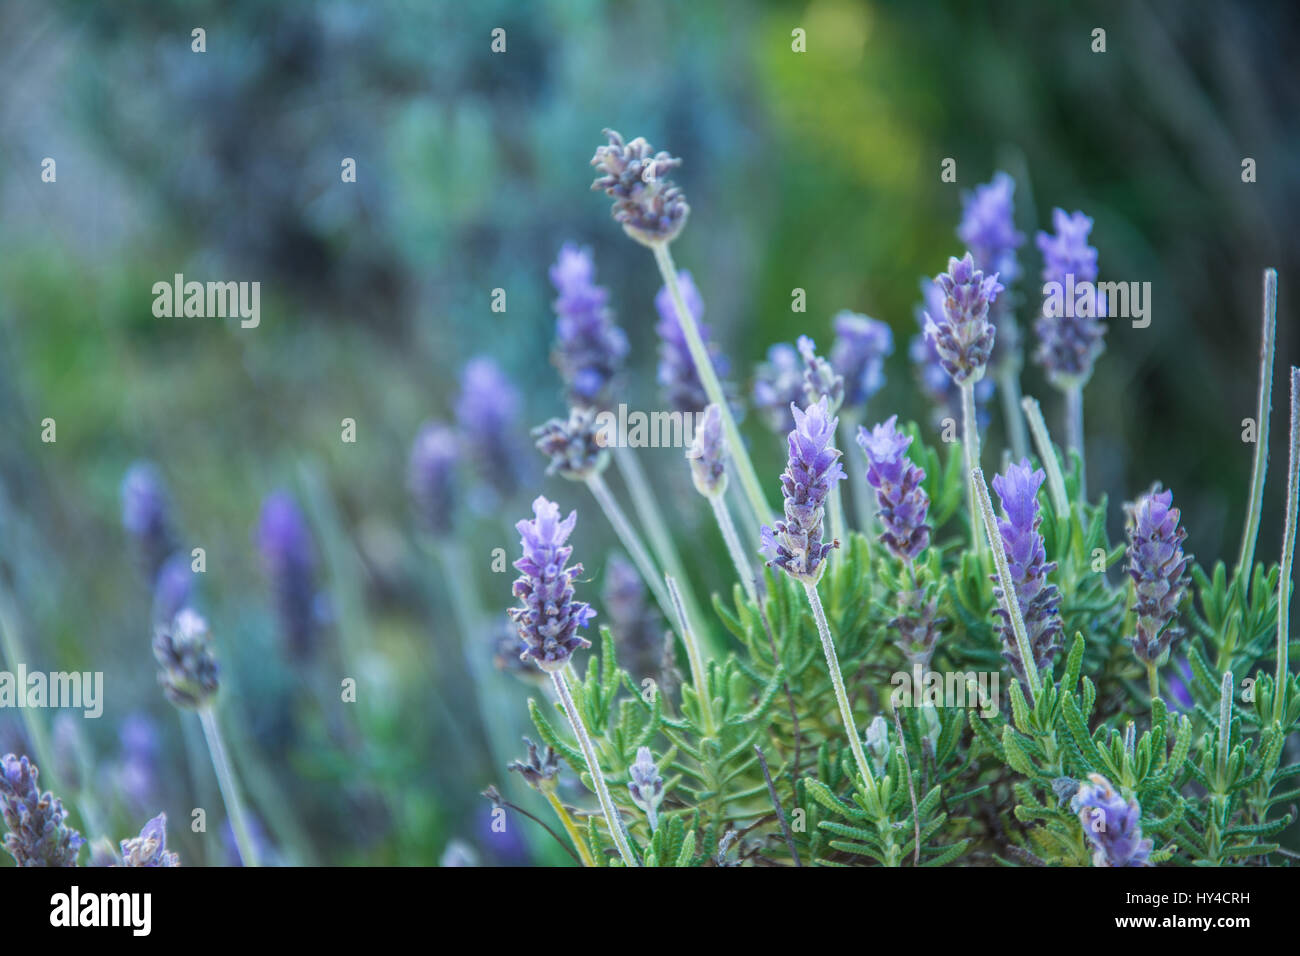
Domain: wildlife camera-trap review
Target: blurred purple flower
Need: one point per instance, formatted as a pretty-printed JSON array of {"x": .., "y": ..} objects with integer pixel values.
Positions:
[
  {"x": 187, "y": 671},
  {"x": 589, "y": 348},
  {"x": 431, "y": 476},
  {"x": 173, "y": 589},
  {"x": 988, "y": 230},
  {"x": 289, "y": 561},
  {"x": 858, "y": 355},
  {"x": 708, "y": 455},
  {"x": 683, "y": 390},
  {"x": 1111, "y": 824},
  {"x": 487, "y": 414},
  {"x": 633, "y": 620},
  {"x": 819, "y": 377},
  {"x": 647, "y": 203},
  {"x": 1068, "y": 345},
  {"x": 146, "y": 516},
  {"x": 778, "y": 383}
]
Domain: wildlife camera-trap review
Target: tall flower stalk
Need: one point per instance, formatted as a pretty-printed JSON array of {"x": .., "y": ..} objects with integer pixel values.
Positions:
[
  {"x": 652, "y": 210},
  {"x": 1158, "y": 567},
  {"x": 1282, "y": 673},
  {"x": 548, "y": 618},
  {"x": 796, "y": 546},
  {"x": 858, "y": 355},
  {"x": 188, "y": 674},
  {"x": 1250, "y": 533}
]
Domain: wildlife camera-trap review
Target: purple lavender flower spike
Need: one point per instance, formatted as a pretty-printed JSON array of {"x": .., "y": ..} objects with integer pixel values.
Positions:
[
  {"x": 708, "y": 455},
  {"x": 819, "y": 377},
  {"x": 962, "y": 333},
  {"x": 902, "y": 501},
  {"x": 1068, "y": 345},
  {"x": 548, "y": 617},
  {"x": 150, "y": 847},
  {"x": 173, "y": 589},
  {"x": 1111, "y": 824},
  {"x": 646, "y": 786},
  {"x": 576, "y": 446},
  {"x": 430, "y": 476},
  {"x": 683, "y": 390},
  {"x": 778, "y": 383},
  {"x": 136, "y": 775},
  {"x": 935, "y": 382},
  {"x": 858, "y": 355},
  {"x": 589, "y": 348},
  {"x": 1158, "y": 567},
  {"x": 989, "y": 232},
  {"x": 795, "y": 544},
  {"x": 187, "y": 670},
  {"x": 146, "y": 516},
  {"x": 38, "y": 834},
  {"x": 487, "y": 414},
  {"x": 1027, "y": 558},
  {"x": 288, "y": 558},
  {"x": 649, "y": 206}
]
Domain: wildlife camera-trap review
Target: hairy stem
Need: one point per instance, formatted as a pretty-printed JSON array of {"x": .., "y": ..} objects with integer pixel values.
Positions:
[
  {"x": 566, "y": 821},
  {"x": 728, "y": 528},
  {"x": 229, "y": 787},
  {"x": 1047, "y": 454},
  {"x": 1010, "y": 602},
  {"x": 1074, "y": 433},
  {"x": 837, "y": 680},
  {"x": 630, "y": 540},
  {"x": 970, "y": 449},
  {"x": 709, "y": 379},
  {"x": 699, "y": 676},
  {"x": 1009, "y": 386},
  {"x": 612, "y": 818},
  {"x": 1288, "y": 553},
  {"x": 1249, "y": 535}
]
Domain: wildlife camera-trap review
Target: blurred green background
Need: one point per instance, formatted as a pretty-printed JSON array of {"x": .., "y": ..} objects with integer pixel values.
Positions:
[{"x": 817, "y": 170}]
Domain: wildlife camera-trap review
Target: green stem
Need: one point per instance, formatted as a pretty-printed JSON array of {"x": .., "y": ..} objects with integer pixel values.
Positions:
[
  {"x": 1288, "y": 554},
  {"x": 862, "y": 496},
  {"x": 229, "y": 787},
  {"x": 1153, "y": 683},
  {"x": 1250, "y": 534},
  {"x": 1047, "y": 454},
  {"x": 1074, "y": 433},
  {"x": 970, "y": 449},
  {"x": 612, "y": 819},
  {"x": 837, "y": 680},
  {"x": 709, "y": 379},
  {"x": 566, "y": 821},
  {"x": 661, "y": 542},
  {"x": 631, "y": 541},
  {"x": 1009, "y": 386},
  {"x": 732, "y": 539},
  {"x": 1010, "y": 602},
  {"x": 699, "y": 677}
]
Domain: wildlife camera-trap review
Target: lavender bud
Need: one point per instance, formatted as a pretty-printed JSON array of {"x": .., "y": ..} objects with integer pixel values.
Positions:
[
  {"x": 646, "y": 786},
  {"x": 819, "y": 377},
  {"x": 430, "y": 476},
  {"x": 575, "y": 446},
  {"x": 778, "y": 383},
  {"x": 918, "y": 626},
  {"x": 548, "y": 617},
  {"x": 146, "y": 516},
  {"x": 647, "y": 203},
  {"x": 150, "y": 847},
  {"x": 38, "y": 834},
  {"x": 187, "y": 670},
  {"x": 1158, "y": 567},
  {"x": 636, "y": 625},
  {"x": 589, "y": 348},
  {"x": 902, "y": 501},
  {"x": 708, "y": 455},
  {"x": 1111, "y": 824},
  {"x": 878, "y": 744},
  {"x": 858, "y": 355},
  {"x": 285, "y": 543},
  {"x": 988, "y": 230},
  {"x": 795, "y": 544},
  {"x": 934, "y": 381},
  {"x": 962, "y": 333},
  {"x": 539, "y": 768},
  {"x": 683, "y": 390},
  {"x": 487, "y": 414},
  {"x": 1068, "y": 345},
  {"x": 1027, "y": 559}
]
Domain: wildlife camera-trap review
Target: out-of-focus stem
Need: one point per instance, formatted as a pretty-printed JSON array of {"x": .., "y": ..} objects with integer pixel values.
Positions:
[
  {"x": 1009, "y": 386},
  {"x": 1047, "y": 454},
  {"x": 698, "y": 675},
  {"x": 612, "y": 818},
  {"x": 849, "y": 424},
  {"x": 630, "y": 540},
  {"x": 738, "y": 558},
  {"x": 709, "y": 379},
  {"x": 229, "y": 788},
  {"x": 1010, "y": 602},
  {"x": 970, "y": 449},
  {"x": 1074, "y": 433},
  {"x": 1249, "y": 535},
  {"x": 1288, "y": 553}
]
